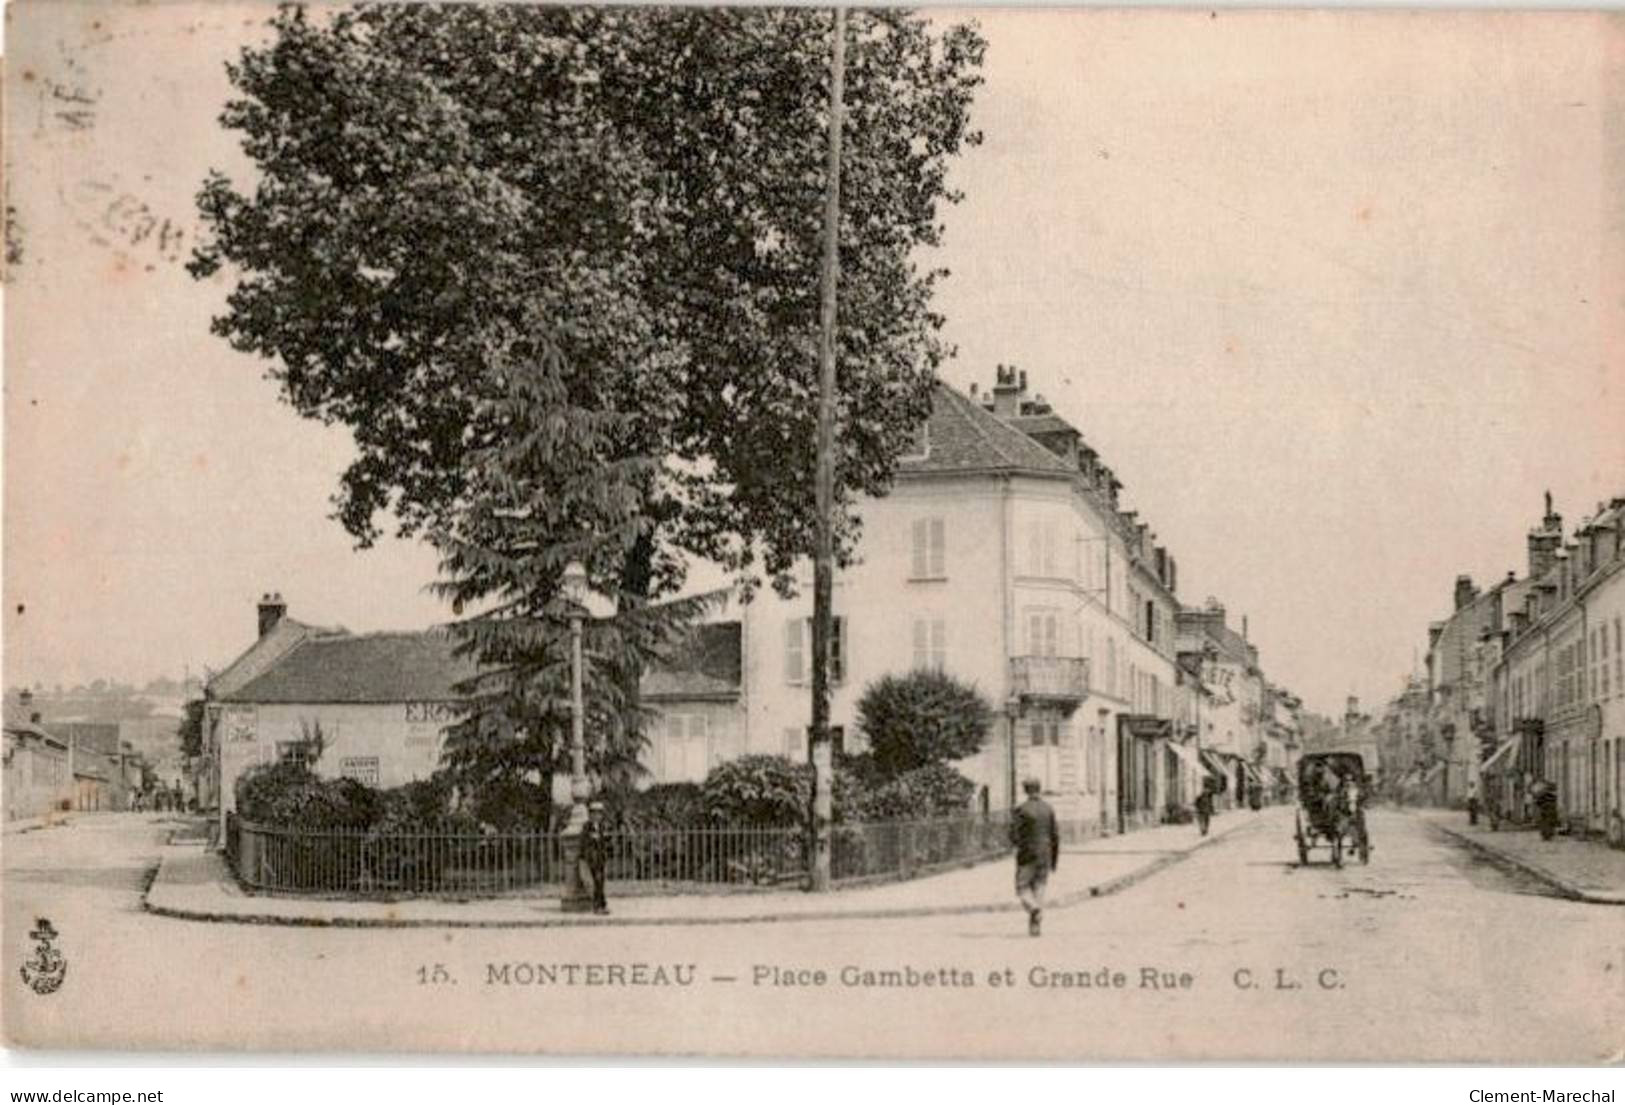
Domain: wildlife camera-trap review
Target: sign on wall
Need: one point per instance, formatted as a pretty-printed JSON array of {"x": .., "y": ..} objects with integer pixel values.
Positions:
[{"x": 240, "y": 724}]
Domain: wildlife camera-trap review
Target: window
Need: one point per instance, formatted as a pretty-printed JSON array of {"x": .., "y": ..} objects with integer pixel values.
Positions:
[
  {"x": 686, "y": 751},
  {"x": 1150, "y": 621},
  {"x": 1041, "y": 542},
  {"x": 798, "y": 743},
  {"x": 1043, "y": 632},
  {"x": 363, "y": 769},
  {"x": 798, "y": 644},
  {"x": 1044, "y": 732},
  {"x": 1111, "y": 665},
  {"x": 928, "y": 549},
  {"x": 296, "y": 752},
  {"x": 930, "y": 644}
]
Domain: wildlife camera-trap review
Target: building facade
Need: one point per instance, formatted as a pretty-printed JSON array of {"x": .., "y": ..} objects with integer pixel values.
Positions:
[
  {"x": 1559, "y": 704},
  {"x": 38, "y": 765},
  {"x": 1001, "y": 556}
]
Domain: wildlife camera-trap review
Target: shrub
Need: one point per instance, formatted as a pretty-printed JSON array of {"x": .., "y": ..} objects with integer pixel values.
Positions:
[
  {"x": 664, "y": 806},
  {"x": 763, "y": 791},
  {"x": 935, "y": 790},
  {"x": 923, "y": 718},
  {"x": 512, "y": 806},
  {"x": 290, "y": 795}
]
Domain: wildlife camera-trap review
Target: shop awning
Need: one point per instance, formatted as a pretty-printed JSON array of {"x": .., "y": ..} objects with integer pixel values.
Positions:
[
  {"x": 1503, "y": 758},
  {"x": 1252, "y": 773},
  {"x": 1188, "y": 754},
  {"x": 1432, "y": 773},
  {"x": 1215, "y": 764}
]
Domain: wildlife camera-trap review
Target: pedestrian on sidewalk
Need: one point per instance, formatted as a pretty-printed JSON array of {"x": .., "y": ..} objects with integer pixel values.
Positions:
[
  {"x": 1472, "y": 802},
  {"x": 595, "y": 855},
  {"x": 1037, "y": 837}
]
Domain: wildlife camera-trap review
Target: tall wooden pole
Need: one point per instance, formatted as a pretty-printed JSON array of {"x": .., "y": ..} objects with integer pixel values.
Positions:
[{"x": 824, "y": 545}]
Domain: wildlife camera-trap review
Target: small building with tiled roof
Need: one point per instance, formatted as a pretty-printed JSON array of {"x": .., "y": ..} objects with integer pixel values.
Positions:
[{"x": 379, "y": 702}]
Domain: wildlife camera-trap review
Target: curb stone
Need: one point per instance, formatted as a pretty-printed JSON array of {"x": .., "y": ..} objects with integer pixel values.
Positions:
[
  {"x": 1099, "y": 890},
  {"x": 1556, "y": 882}
]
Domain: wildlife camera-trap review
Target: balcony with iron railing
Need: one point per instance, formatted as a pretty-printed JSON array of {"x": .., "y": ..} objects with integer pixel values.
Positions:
[{"x": 1059, "y": 679}]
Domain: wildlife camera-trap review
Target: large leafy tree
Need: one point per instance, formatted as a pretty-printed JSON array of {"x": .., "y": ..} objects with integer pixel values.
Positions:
[
  {"x": 470, "y": 222},
  {"x": 650, "y": 179}
]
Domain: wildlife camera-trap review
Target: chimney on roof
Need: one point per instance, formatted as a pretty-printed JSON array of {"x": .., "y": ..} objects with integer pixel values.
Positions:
[
  {"x": 1465, "y": 591},
  {"x": 1009, "y": 388},
  {"x": 1545, "y": 541},
  {"x": 272, "y": 609}
]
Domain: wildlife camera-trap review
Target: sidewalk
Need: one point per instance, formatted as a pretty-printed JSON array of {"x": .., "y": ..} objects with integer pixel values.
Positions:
[
  {"x": 193, "y": 883},
  {"x": 1586, "y": 870},
  {"x": 48, "y": 821}
]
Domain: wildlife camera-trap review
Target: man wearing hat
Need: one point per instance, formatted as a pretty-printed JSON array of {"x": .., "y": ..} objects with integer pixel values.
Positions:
[
  {"x": 1038, "y": 851},
  {"x": 595, "y": 854}
]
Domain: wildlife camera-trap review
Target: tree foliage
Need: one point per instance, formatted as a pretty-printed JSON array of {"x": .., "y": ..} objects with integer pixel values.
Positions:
[
  {"x": 190, "y": 731},
  {"x": 920, "y": 719},
  {"x": 645, "y": 181}
]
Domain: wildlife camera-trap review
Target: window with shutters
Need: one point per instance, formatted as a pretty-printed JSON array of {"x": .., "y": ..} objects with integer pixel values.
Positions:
[
  {"x": 798, "y": 650},
  {"x": 930, "y": 557},
  {"x": 1043, "y": 539},
  {"x": 686, "y": 751},
  {"x": 930, "y": 644},
  {"x": 1043, "y": 631}
]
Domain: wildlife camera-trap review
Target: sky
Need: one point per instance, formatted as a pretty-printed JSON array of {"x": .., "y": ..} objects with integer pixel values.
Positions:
[{"x": 1337, "y": 295}]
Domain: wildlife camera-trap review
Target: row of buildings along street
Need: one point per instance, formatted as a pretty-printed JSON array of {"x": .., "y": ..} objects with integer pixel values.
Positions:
[{"x": 1524, "y": 685}]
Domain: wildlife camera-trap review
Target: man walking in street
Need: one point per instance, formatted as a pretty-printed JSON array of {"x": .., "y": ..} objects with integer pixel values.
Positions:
[{"x": 1038, "y": 851}]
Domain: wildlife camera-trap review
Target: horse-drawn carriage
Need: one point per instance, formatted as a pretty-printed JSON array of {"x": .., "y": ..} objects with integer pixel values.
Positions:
[{"x": 1331, "y": 805}]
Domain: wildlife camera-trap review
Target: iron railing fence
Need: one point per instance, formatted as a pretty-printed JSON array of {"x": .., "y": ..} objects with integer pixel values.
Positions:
[
  {"x": 877, "y": 851},
  {"x": 362, "y": 863}
]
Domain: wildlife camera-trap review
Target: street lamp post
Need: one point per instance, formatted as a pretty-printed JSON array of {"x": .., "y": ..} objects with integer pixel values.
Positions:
[{"x": 577, "y": 898}]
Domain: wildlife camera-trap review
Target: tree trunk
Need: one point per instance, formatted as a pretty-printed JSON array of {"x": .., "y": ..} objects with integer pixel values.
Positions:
[{"x": 637, "y": 577}]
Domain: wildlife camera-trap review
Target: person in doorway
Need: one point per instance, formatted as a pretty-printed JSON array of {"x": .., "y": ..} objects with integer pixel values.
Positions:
[
  {"x": 595, "y": 855},
  {"x": 1037, "y": 838}
]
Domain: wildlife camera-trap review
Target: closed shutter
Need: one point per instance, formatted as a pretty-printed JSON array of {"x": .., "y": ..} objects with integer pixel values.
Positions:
[
  {"x": 939, "y": 550},
  {"x": 1068, "y": 757},
  {"x": 794, "y": 651},
  {"x": 922, "y": 540}
]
